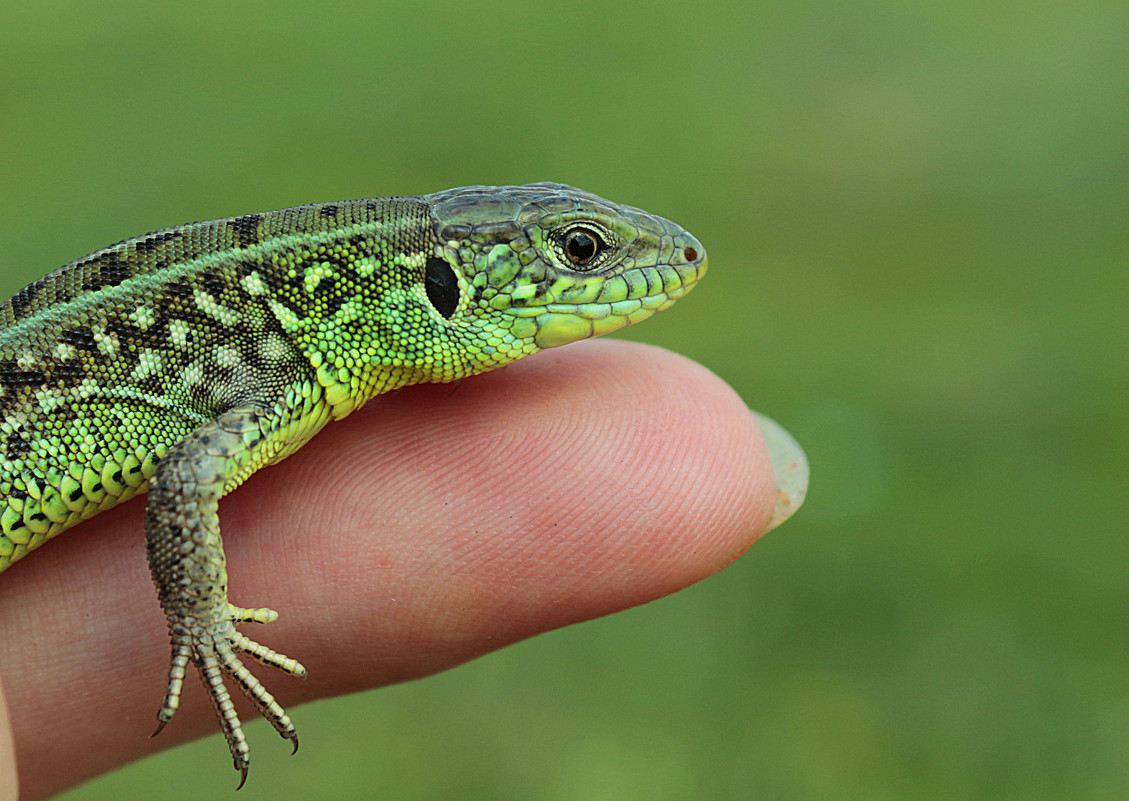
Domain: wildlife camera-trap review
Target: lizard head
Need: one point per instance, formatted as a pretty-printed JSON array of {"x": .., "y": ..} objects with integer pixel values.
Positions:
[{"x": 521, "y": 268}]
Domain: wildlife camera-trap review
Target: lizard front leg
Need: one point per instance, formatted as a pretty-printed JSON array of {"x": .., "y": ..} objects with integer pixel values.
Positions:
[{"x": 189, "y": 568}]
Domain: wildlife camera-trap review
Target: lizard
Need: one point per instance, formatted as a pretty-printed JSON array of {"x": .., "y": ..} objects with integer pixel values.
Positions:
[{"x": 179, "y": 362}]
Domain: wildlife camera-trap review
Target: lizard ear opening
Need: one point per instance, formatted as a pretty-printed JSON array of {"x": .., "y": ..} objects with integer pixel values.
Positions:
[{"x": 442, "y": 286}]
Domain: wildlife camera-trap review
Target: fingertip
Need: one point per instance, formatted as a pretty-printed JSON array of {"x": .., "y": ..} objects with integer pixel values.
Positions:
[
  {"x": 609, "y": 473},
  {"x": 697, "y": 461},
  {"x": 571, "y": 485}
]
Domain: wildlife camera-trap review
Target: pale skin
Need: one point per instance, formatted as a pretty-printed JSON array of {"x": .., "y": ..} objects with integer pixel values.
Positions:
[{"x": 583, "y": 481}]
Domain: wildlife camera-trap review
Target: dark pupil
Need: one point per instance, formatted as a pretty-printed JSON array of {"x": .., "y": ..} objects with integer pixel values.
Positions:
[{"x": 581, "y": 247}]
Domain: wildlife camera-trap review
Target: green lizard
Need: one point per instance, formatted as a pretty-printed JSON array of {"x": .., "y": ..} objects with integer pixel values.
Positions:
[{"x": 180, "y": 362}]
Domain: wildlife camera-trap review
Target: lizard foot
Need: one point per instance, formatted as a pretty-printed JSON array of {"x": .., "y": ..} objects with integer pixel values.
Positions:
[{"x": 214, "y": 650}]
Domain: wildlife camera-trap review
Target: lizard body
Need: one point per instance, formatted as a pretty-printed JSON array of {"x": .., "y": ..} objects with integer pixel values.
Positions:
[{"x": 179, "y": 362}]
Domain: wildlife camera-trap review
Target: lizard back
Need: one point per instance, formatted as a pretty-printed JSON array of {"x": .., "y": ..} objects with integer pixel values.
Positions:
[{"x": 111, "y": 360}]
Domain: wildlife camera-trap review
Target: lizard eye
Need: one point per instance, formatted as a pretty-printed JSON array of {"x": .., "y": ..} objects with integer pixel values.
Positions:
[{"x": 582, "y": 245}]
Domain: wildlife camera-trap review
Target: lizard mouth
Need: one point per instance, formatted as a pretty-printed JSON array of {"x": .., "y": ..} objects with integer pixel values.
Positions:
[{"x": 653, "y": 289}]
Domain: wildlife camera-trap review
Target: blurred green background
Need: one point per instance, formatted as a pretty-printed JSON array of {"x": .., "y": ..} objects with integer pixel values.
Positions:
[{"x": 915, "y": 215}]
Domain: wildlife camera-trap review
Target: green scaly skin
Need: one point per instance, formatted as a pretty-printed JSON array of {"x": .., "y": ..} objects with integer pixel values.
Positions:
[{"x": 182, "y": 361}]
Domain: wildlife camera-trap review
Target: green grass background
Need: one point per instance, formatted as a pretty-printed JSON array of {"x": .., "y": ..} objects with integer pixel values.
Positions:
[{"x": 916, "y": 220}]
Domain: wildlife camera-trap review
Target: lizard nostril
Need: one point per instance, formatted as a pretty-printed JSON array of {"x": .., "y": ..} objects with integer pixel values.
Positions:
[{"x": 691, "y": 254}]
